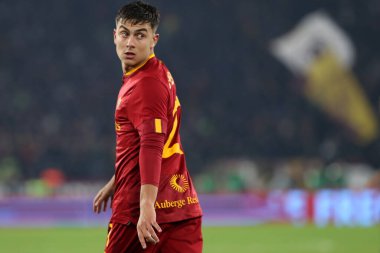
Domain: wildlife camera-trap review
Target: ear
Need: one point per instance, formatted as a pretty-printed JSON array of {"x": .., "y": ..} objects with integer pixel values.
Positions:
[
  {"x": 155, "y": 40},
  {"x": 114, "y": 35}
]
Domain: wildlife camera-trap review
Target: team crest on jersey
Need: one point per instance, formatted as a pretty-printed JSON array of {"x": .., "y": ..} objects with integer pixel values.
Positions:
[
  {"x": 170, "y": 79},
  {"x": 179, "y": 183}
]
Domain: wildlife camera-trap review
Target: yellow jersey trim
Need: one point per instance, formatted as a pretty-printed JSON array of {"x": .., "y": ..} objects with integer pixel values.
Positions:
[
  {"x": 138, "y": 67},
  {"x": 109, "y": 233},
  {"x": 157, "y": 126}
]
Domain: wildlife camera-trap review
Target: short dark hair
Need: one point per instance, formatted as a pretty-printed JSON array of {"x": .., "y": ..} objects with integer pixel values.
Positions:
[{"x": 139, "y": 12}]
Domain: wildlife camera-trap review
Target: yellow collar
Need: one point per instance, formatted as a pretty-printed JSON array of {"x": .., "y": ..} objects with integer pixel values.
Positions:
[{"x": 138, "y": 67}]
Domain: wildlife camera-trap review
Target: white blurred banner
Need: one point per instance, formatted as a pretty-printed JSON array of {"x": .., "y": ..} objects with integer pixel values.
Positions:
[{"x": 319, "y": 52}]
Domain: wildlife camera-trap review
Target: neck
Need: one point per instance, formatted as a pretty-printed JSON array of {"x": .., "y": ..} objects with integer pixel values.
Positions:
[{"x": 127, "y": 69}]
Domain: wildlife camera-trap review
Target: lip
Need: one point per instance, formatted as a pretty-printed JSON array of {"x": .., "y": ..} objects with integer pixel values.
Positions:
[{"x": 129, "y": 55}]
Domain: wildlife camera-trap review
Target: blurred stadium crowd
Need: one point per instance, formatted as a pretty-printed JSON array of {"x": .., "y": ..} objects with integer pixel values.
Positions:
[{"x": 59, "y": 78}]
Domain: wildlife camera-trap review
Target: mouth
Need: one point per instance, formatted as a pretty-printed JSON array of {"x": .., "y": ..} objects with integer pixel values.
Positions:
[{"x": 129, "y": 55}]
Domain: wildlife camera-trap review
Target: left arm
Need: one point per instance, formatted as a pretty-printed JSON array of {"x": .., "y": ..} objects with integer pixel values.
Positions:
[
  {"x": 151, "y": 145},
  {"x": 148, "y": 113}
]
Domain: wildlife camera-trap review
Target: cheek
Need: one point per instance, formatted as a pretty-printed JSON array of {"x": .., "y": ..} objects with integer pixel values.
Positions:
[
  {"x": 152, "y": 44},
  {"x": 143, "y": 47},
  {"x": 119, "y": 46}
]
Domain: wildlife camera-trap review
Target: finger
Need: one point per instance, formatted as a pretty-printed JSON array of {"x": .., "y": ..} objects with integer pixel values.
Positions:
[
  {"x": 157, "y": 227},
  {"x": 105, "y": 202},
  {"x": 96, "y": 202},
  {"x": 155, "y": 238},
  {"x": 153, "y": 235},
  {"x": 141, "y": 239},
  {"x": 95, "y": 207},
  {"x": 97, "y": 197}
]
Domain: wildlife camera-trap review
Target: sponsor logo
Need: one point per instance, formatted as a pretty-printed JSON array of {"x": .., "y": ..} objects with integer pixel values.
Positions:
[
  {"x": 179, "y": 183},
  {"x": 176, "y": 203}
]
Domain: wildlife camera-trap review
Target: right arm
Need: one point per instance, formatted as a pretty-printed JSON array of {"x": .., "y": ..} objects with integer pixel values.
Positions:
[{"x": 101, "y": 199}]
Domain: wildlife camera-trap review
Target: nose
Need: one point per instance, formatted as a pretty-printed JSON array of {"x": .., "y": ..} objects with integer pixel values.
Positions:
[{"x": 130, "y": 41}]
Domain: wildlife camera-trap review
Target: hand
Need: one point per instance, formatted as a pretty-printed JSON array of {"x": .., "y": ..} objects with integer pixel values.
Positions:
[
  {"x": 101, "y": 199},
  {"x": 146, "y": 225}
]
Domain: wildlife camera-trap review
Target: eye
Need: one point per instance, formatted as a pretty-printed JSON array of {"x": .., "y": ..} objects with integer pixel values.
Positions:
[
  {"x": 123, "y": 34},
  {"x": 140, "y": 36}
]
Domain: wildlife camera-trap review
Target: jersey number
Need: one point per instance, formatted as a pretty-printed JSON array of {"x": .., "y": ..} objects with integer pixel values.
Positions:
[{"x": 168, "y": 151}]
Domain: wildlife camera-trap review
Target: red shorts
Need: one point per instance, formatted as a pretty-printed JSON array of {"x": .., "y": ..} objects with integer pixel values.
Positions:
[{"x": 176, "y": 237}]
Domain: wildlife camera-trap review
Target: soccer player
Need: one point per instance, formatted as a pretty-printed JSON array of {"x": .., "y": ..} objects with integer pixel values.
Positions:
[{"x": 155, "y": 207}]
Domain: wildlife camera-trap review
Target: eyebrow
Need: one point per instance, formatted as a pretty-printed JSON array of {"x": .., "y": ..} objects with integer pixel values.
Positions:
[{"x": 138, "y": 30}]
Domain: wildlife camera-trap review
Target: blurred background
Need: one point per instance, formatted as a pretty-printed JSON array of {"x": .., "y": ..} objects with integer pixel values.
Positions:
[{"x": 280, "y": 108}]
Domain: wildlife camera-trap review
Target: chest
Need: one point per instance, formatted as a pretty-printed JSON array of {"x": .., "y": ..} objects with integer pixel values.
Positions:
[
  {"x": 123, "y": 98},
  {"x": 122, "y": 122}
]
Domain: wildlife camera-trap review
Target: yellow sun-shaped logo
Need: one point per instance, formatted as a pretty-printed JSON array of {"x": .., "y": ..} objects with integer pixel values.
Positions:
[{"x": 179, "y": 183}]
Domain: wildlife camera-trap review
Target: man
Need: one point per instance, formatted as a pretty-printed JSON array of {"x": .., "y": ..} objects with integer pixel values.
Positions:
[{"x": 154, "y": 205}]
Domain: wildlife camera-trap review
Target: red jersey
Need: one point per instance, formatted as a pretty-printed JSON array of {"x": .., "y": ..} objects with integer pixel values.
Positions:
[{"x": 147, "y": 105}]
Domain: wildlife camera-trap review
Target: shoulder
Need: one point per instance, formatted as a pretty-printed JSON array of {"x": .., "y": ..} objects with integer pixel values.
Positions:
[
  {"x": 151, "y": 88},
  {"x": 151, "y": 83},
  {"x": 157, "y": 74}
]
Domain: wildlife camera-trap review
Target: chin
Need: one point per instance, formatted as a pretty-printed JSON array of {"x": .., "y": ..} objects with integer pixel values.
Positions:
[{"x": 130, "y": 63}]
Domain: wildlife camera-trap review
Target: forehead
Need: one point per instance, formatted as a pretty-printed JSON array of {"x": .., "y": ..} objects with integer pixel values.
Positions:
[{"x": 121, "y": 24}]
